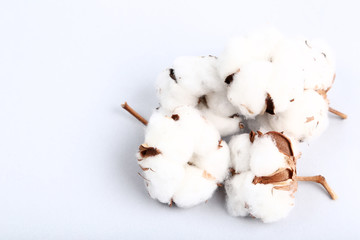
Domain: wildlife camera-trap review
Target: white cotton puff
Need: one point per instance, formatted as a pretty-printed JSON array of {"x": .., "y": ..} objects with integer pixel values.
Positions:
[
  {"x": 236, "y": 194},
  {"x": 170, "y": 94},
  {"x": 292, "y": 66},
  {"x": 166, "y": 134},
  {"x": 269, "y": 204},
  {"x": 265, "y": 158},
  {"x": 306, "y": 117},
  {"x": 183, "y": 157},
  {"x": 225, "y": 125},
  {"x": 247, "y": 91},
  {"x": 191, "y": 120},
  {"x": 217, "y": 162},
  {"x": 163, "y": 177},
  {"x": 202, "y": 132},
  {"x": 242, "y": 50},
  {"x": 188, "y": 79},
  {"x": 287, "y": 79},
  {"x": 240, "y": 146},
  {"x": 194, "y": 188},
  {"x": 206, "y": 140},
  {"x": 260, "y": 200},
  {"x": 221, "y": 113},
  {"x": 198, "y": 75},
  {"x": 318, "y": 64},
  {"x": 218, "y": 103}
]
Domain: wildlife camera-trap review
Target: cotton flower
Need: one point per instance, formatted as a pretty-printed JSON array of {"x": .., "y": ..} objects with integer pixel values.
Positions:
[
  {"x": 264, "y": 176},
  {"x": 273, "y": 79},
  {"x": 183, "y": 157}
]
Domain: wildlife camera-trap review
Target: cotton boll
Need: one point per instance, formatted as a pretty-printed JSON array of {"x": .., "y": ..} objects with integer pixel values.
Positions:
[
  {"x": 195, "y": 188},
  {"x": 162, "y": 177},
  {"x": 266, "y": 190},
  {"x": 240, "y": 146},
  {"x": 307, "y": 117},
  {"x": 247, "y": 90},
  {"x": 265, "y": 157},
  {"x": 183, "y": 157}
]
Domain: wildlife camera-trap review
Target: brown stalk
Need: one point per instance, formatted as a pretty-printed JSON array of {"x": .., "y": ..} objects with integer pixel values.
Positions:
[
  {"x": 134, "y": 113},
  {"x": 336, "y": 112},
  {"x": 319, "y": 179}
]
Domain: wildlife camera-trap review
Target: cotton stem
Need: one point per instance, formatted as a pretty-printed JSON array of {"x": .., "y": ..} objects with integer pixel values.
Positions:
[
  {"x": 134, "y": 113},
  {"x": 319, "y": 179},
  {"x": 336, "y": 112}
]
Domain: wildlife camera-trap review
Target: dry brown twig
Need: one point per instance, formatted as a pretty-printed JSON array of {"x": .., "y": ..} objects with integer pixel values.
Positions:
[
  {"x": 134, "y": 113},
  {"x": 319, "y": 179},
  {"x": 336, "y": 112}
]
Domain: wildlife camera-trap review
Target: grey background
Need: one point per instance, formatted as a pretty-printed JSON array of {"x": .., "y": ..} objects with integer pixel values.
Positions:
[{"x": 67, "y": 164}]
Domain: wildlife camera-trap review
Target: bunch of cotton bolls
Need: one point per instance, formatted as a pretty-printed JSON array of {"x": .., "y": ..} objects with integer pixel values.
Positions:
[{"x": 264, "y": 82}]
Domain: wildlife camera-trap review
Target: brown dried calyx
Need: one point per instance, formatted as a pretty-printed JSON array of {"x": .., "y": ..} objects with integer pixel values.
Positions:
[
  {"x": 281, "y": 175},
  {"x": 219, "y": 144},
  {"x": 175, "y": 117},
  {"x": 230, "y": 78},
  {"x": 270, "y": 107},
  {"x": 232, "y": 171},
  {"x": 252, "y": 135},
  {"x": 202, "y": 100},
  {"x": 146, "y": 151},
  {"x": 172, "y": 74},
  {"x": 236, "y": 115},
  {"x": 282, "y": 143}
]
